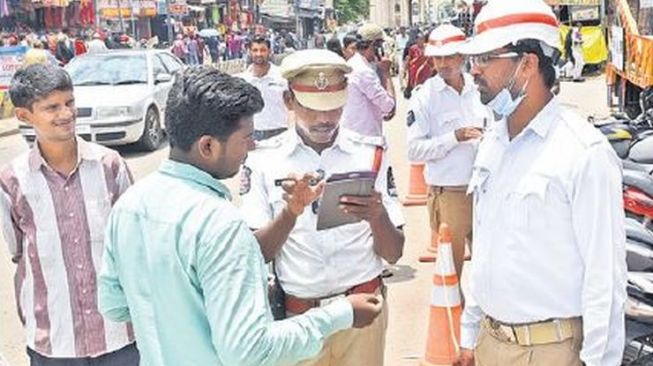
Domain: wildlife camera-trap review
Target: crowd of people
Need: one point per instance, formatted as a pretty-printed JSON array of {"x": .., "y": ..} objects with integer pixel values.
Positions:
[{"x": 167, "y": 271}]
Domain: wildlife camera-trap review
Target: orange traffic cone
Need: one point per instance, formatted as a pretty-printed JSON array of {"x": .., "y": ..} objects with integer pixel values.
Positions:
[
  {"x": 417, "y": 190},
  {"x": 443, "y": 340},
  {"x": 431, "y": 250}
]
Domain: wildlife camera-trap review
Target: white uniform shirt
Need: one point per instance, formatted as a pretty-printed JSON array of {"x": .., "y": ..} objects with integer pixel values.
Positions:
[
  {"x": 317, "y": 263},
  {"x": 548, "y": 231},
  {"x": 436, "y": 111},
  {"x": 274, "y": 114}
]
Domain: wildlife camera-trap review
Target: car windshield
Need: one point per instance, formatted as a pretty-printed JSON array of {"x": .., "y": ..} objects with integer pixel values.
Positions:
[{"x": 108, "y": 70}]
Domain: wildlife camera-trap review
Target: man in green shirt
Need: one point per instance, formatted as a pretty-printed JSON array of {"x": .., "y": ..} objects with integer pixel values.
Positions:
[{"x": 181, "y": 264}]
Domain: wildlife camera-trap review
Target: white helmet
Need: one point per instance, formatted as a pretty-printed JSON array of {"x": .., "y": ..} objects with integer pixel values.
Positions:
[
  {"x": 503, "y": 22},
  {"x": 444, "y": 41}
]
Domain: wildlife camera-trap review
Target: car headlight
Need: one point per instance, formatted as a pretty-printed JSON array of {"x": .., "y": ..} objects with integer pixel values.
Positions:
[{"x": 112, "y": 112}]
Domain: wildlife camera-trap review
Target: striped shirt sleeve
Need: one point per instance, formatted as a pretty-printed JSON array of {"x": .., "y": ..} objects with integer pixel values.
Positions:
[{"x": 9, "y": 223}]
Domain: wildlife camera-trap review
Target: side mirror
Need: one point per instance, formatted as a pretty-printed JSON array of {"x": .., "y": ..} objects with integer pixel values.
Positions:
[{"x": 162, "y": 78}]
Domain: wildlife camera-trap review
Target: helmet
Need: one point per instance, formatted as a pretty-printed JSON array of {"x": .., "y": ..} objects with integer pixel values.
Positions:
[
  {"x": 502, "y": 22},
  {"x": 444, "y": 41}
]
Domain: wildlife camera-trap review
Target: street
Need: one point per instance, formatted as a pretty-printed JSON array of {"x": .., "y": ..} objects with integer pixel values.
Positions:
[{"x": 409, "y": 287}]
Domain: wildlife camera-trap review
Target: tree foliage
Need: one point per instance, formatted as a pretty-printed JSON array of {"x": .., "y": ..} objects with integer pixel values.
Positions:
[{"x": 352, "y": 10}]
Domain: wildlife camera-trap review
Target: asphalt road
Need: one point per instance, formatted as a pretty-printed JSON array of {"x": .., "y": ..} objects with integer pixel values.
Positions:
[{"x": 409, "y": 288}]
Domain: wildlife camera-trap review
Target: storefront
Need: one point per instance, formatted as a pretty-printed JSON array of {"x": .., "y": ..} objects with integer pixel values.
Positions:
[{"x": 130, "y": 16}]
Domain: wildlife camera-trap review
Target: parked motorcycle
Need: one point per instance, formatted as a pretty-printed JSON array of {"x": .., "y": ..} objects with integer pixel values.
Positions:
[
  {"x": 638, "y": 196},
  {"x": 639, "y": 305},
  {"x": 632, "y": 140}
]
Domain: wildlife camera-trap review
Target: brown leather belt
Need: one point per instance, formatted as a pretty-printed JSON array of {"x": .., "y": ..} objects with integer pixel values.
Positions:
[
  {"x": 440, "y": 189},
  {"x": 296, "y": 305}
]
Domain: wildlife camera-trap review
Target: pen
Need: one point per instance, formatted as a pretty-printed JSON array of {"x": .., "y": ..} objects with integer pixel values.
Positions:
[{"x": 279, "y": 182}]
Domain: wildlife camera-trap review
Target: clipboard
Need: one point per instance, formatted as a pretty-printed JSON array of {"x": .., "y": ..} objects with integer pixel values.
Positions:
[{"x": 329, "y": 215}]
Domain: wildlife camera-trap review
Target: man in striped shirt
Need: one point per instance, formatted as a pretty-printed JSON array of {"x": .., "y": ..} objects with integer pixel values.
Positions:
[{"x": 54, "y": 202}]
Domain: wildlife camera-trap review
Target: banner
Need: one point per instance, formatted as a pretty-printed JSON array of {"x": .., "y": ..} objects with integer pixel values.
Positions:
[
  {"x": 595, "y": 50},
  {"x": 11, "y": 59},
  {"x": 617, "y": 47}
]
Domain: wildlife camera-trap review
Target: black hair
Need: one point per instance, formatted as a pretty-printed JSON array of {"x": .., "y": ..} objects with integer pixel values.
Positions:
[
  {"x": 37, "y": 81},
  {"x": 349, "y": 38},
  {"x": 546, "y": 63},
  {"x": 333, "y": 45},
  {"x": 205, "y": 101},
  {"x": 259, "y": 39}
]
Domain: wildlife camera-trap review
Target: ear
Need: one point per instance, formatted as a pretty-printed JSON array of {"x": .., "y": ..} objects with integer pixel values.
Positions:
[
  {"x": 23, "y": 115},
  {"x": 207, "y": 146},
  {"x": 531, "y": 65},
  {"x": 288, "y": 99}
]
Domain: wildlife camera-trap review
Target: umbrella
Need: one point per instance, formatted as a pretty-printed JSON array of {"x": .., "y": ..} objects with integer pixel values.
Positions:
[{"x": 209, "y": 32}]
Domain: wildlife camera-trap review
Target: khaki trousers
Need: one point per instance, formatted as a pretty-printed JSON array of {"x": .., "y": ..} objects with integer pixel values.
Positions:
[
  {"x": 354, "y": 347},
  {"x": 492, "y": 350},
  {"x": 453, "y": 207}
]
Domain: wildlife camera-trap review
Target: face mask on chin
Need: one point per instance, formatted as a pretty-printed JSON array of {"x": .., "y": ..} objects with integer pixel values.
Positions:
[{"x": 503, "y": 104}]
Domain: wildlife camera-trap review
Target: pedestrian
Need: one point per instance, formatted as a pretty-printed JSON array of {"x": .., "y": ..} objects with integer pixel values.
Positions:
[
  {"x": 548, "y": 274},
  {"x": 371, "y": 98},
  {"x": 213, "y": 44},
  {"x": 185, "y": 268},
  {"x": 54, "y": 202},
  {"x": 37, "y": 55},
  {"x": 445, "y": 121},
  {"x": 96, "y": 45},
  {"x": 80, "y": 46},
  {"x": 266, "y": 77},
  {"x": 333, "y": 45},
  {"x": 577, "y": 52},
  {"x": 320, "y": 40},
  {"x": 315, "y": 267},
  {"x": 64, "y": 49},
  {"x": 193, "y": 50},
  {"x": 418, "y": 66},
  {"x": 179, "y": 48},
  {"x": 401, "y": 40},
  {"x": 349, "y": 45},
  {"x": 201, "y": 48}
]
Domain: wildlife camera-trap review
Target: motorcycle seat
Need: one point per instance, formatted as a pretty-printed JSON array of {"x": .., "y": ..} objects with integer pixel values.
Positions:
[
  {"x": 639, "y": 180},
  {"x": 635, "y": 230}
]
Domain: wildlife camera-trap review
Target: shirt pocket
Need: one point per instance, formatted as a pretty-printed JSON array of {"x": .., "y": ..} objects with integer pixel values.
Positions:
[
  {"x": 526, "y": 200},
  {"x": 450, "y": 122}
]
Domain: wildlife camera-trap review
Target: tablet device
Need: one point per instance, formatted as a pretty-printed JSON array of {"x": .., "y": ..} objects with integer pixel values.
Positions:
[{"x": 329, "y": 214}]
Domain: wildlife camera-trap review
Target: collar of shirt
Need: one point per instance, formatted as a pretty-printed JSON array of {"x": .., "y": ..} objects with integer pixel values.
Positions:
[
  {"x": 294, "y": 141},
  {"x": 272, "y": 72},
  {"x": 85, "y": 151},
  {"x": 358, "y": 60},
  {"x": 540, "y": 125},
  {"x": 191, "y": 173},
  {"x": 468, "y": 85}
]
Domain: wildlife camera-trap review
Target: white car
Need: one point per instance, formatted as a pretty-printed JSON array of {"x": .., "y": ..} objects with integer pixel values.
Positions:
[{"x": 121, "y": 96}]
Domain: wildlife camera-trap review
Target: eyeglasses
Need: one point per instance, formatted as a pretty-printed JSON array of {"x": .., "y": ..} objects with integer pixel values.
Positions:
[{"x": 484, "y": 59}]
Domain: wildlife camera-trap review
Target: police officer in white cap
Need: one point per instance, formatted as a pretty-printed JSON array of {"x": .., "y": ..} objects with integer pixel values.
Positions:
[
  {"x": 445, "y": 121},
  {"x": 548, "y": 272},
  {"x": 316, "y": 267}
]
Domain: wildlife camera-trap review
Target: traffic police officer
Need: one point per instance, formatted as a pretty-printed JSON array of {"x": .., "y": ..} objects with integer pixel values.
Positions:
[
  {"x": 445, "y": 121},
  {"x": 315, "y": 267},
  {"x": 548, "y": 271}
]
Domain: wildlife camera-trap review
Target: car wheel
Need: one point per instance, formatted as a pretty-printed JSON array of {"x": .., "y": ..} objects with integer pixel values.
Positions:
[{"x": 152, "y": 133}]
